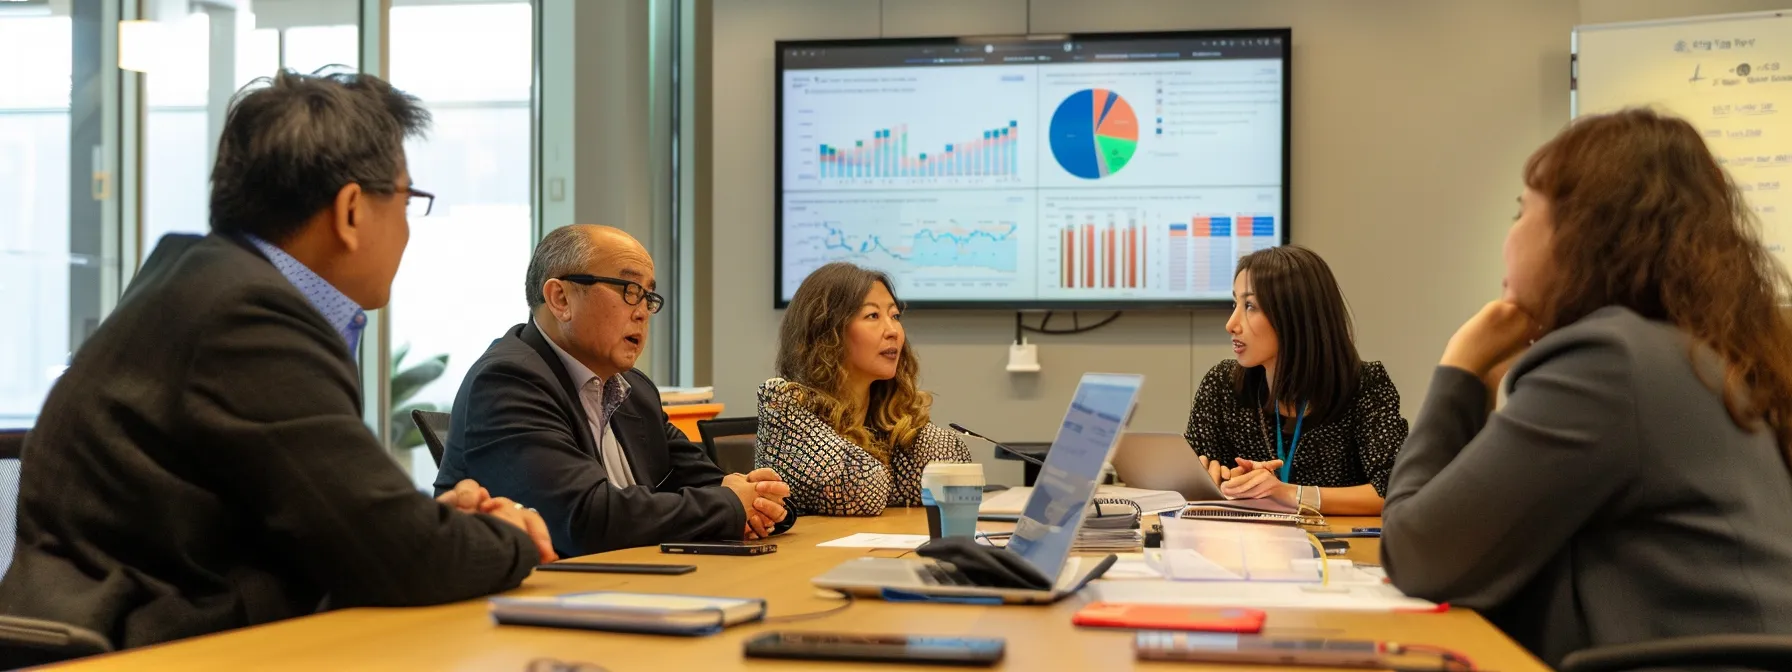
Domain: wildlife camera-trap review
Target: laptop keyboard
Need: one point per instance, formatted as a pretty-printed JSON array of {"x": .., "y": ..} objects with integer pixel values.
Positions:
[{"x": 943, "y": 574}]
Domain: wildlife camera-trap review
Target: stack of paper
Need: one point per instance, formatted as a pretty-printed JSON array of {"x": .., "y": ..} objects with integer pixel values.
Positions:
[
  {"x": 1260, "y": 595},
  {"x": 670, "y": 396}
]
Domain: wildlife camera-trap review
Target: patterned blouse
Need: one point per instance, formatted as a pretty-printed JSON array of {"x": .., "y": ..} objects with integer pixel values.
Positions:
[
  {"x": 830, "y": 476},
  {"x": 1357, "y": 446}
]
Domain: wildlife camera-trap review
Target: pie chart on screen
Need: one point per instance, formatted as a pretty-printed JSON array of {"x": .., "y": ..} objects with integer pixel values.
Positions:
[{"x": 1094, "y": 133}]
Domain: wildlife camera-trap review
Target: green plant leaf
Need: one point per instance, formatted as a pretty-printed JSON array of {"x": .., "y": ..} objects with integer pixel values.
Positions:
[
  {"x": 399, "y": 354},
  {"x": 406, "y": 383},
  {"x": 408, "y": 440}
]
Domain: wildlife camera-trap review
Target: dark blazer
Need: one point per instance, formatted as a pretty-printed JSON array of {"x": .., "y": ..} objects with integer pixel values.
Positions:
[
  {"x": 521, "y": 431},
  {"x": 202, "y": 465},
  {"x": 1611, "y": 500}
]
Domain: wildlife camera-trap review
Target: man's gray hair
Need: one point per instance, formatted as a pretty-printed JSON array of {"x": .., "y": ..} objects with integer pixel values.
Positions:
[
  {"x": 291, "y": 142},
  {"x": 564, "y": 251}
]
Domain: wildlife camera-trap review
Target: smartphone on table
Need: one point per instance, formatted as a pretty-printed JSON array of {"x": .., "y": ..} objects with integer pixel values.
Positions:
[
  {"x": 927, "y": 649},
  {"x": 1211, "y": 647},
  {"x": 616, "y": 568},
  {"x": 718, "y": 548}
]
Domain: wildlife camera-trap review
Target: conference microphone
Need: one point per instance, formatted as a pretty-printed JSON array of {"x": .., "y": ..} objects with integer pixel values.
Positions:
[{"x": 997, "y": 444}]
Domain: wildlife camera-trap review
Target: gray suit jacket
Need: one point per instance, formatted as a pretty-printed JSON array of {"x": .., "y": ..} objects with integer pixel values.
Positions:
[{"x": 1611, "y": 500}]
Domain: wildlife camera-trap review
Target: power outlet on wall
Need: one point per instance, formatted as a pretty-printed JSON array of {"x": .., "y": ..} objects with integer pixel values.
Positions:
[{"x": 1023, "y": 357}]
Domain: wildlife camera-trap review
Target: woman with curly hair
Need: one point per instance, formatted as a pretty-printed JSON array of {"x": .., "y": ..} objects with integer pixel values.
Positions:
[{"x": 844, "y": 423}]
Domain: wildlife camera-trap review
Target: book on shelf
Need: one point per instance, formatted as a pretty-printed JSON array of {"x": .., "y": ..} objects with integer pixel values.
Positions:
[{"x": 672, "y": 396}]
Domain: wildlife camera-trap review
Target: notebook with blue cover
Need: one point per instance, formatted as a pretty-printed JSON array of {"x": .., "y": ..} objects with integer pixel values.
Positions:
[{"x": 629, "y": 612}]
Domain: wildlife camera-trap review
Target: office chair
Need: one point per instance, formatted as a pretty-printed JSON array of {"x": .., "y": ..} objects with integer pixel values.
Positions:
[
  {"x": 730, "y": 442},
  {"x": 12, "y": 445},
  {"x": 1753, "y": 652},
  {"x": 25, "y": 642},
  {"x": 433, "y": 425}
]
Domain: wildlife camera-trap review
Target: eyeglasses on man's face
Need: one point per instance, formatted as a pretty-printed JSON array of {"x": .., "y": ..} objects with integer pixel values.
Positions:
[
  {"x": 417, "y": 202},
  {"x": 632, "y": 292}
]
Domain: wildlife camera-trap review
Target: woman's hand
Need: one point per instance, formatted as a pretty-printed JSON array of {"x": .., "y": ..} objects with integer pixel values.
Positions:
[
  {"x": 1258, "y": 480},
  {"x": 1488, "y": 342},
  {"x": 1218, "y": 472}
]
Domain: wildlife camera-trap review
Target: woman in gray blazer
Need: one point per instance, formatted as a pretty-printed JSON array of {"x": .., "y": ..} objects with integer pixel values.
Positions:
[{"x": 1634, "y": 486}]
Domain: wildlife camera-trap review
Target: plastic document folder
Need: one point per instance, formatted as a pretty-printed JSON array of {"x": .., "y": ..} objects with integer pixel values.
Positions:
[
  {"x": 1207, "y": 550},
  {"x": 629, "y": 612}
]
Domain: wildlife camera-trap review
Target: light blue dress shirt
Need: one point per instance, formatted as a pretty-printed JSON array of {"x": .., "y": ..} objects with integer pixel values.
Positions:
[{"x": 340, "y": 311}]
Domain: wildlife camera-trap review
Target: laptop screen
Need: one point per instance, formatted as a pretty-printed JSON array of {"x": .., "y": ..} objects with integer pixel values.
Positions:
[{"x": 1048, "y": 525}]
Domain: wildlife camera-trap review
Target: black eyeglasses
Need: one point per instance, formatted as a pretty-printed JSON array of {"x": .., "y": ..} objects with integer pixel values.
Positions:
[
  {"x": 632, "y": 291},
  {"x": 418, "y": 203}
]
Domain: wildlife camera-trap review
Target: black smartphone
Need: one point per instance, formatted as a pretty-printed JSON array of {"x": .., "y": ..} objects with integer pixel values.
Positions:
[
  {"x": 616, "y": 568},
  {"x": 1208, "y": 647},
  {"x": 718, "y": 548},
  {"x": 1335, "y": 546},
  {"x": 969, "y": 651}
]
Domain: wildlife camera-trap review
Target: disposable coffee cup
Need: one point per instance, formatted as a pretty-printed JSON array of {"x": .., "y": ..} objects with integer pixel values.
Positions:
[{"x": 952, "y": 492}]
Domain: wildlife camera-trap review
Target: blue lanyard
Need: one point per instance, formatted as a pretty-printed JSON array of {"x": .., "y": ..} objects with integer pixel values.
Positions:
[{"x": 1293, "y": 445}]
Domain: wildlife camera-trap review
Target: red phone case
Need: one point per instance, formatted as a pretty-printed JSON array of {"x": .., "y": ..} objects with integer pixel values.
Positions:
[{"x": 1169, "y": 617}]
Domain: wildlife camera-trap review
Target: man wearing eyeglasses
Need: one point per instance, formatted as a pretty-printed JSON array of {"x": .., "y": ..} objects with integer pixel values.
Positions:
[
  {"x": 554, "y": 414},
  {"x": 202, "y": 465}
]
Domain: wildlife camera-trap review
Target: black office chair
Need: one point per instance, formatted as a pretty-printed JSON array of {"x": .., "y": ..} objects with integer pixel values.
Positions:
[
  {"x": 25, "y": 642},
  {"x": 433, "y": 425},
  {"x": 730, "y": 442},
  {"x": 12, "y": 443},
  {"x": 1752, "y": 652}
]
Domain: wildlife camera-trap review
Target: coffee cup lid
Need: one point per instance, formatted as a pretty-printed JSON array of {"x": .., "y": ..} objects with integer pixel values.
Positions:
[{"x": 953, "y": 469}]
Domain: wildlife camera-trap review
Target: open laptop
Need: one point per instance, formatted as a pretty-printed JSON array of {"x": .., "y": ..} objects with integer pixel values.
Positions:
[
  {"x": 1163, "y": 461},
  {"x": 1048, "y": 526}
]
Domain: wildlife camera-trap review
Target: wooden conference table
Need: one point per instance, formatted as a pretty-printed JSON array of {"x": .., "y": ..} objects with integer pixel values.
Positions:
[{"x": 462, "y": 636}]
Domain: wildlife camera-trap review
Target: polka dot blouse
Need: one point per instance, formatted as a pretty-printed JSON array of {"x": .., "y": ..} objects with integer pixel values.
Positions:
[
  {"x": 830, "y": 476},
  {"x": 1356, "y": 446}
]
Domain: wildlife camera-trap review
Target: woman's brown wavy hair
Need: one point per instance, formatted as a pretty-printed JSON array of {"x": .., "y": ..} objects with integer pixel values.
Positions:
[
  {"x": 812, "y": 354},
  {"x": 1645, "y": 218}
]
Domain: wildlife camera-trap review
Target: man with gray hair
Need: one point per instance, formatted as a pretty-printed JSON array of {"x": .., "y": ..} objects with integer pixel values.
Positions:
[
  {"x": 202, "y": 464},
  {"x": 555, "y": 415}
]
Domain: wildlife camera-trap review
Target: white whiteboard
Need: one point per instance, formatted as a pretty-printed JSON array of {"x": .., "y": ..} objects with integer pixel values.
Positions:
[{"x": 1730, "y": 75}]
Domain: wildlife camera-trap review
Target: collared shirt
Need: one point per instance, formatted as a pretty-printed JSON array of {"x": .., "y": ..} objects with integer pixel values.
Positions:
[
  {"x": 600, "y": 398},
  {"x": 340, "y": 311}
]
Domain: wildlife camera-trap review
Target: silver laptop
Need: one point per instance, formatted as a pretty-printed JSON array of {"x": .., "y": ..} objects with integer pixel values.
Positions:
[
  {"x": 1048, "y": 525},
  {"x": 1163, "y": 461}
]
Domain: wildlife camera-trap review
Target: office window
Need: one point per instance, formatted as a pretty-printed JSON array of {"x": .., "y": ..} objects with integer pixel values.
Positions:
[
  {"x": 461, "y": 283},
  {"x": 179, "y": 138},
  {"x": 34, "y": 211}
]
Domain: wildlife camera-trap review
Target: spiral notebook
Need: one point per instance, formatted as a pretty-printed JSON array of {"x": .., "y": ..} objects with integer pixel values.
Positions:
[
  {"x": 1007, "y": 504},
  {"x": 629, "y": 612},
  {"x": 1249, "y": 511}
]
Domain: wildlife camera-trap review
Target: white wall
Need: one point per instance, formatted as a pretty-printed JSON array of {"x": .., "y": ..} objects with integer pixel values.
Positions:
[{"x": 1411, "y": 121}]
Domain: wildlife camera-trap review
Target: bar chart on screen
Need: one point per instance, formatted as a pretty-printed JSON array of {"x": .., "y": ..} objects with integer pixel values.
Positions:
[
  {"x": 1151, "y": 247},
  {"x": 871, "y": 129},
  {"x": 888, "y": 155}
]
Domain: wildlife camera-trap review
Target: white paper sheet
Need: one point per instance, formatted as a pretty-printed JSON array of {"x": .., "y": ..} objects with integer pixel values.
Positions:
[
  {"x": 1260, "y": 595},
  {"x": 906, "y": 542}
]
